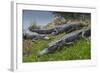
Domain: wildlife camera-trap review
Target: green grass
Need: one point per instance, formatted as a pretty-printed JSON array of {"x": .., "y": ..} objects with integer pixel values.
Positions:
[{"x": 79, "y": 50}]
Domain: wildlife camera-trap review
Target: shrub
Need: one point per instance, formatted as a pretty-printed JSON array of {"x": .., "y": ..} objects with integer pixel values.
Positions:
[{"x": 33, "y": 26}]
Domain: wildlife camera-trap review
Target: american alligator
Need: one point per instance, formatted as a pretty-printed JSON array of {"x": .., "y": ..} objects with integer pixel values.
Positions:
[
  {"x": 71, "y": 37},
  {"x": 59, "y": 29},
  {"x": 33, "y": 35}
]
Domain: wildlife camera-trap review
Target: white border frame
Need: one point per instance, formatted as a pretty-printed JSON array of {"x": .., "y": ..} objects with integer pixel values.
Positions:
[{"x": 16, "y": 51}]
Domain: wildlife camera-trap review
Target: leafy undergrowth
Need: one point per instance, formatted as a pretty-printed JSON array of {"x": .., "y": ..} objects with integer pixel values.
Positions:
[{"x": 79, "y": 50}]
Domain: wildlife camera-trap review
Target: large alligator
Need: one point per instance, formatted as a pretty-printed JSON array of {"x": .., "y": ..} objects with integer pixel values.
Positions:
[
  {"x": 67, "y": 28},
  {"x": 59, "y": 29},
  {"x": 42, "y": 31},
  {"x": 86, "y": 32},
  {"x": 71, "y": 37},
  {"x": 33, "y": 35}
]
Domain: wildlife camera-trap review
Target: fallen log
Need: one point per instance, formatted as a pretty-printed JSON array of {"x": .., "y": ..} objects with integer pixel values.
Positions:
[
  {"x": 59, "y": 29},
  {"x": 71, "y": 37}
]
